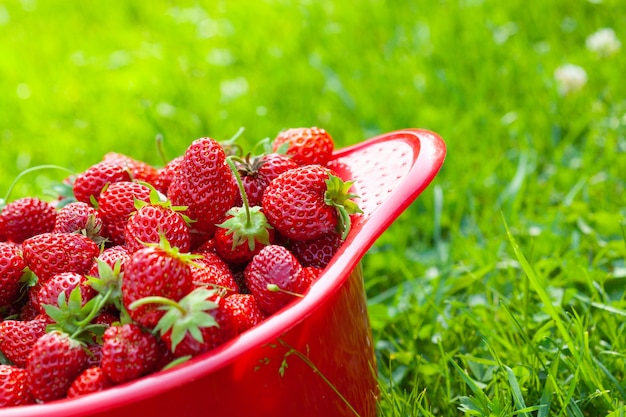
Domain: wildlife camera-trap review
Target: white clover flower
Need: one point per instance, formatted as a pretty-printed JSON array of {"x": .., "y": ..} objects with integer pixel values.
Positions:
[
  {"x": 604, "y": 42},
  {"x": 570, "y": 78}
]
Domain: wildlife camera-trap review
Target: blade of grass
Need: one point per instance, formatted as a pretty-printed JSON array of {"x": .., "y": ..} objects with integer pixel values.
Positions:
[{"x": 539, "y": 288}]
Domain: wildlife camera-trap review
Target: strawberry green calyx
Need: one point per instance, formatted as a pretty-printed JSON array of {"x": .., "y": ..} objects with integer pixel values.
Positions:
[
  {"x": 109, "y": 283},
  {"x": 159, "y": 199},
  {"x": 72, "y": 317},
  {"x": 190, "y": 314},
  {"x": 174, "y": 252},
  {"x": 338, "y": 195},
  {"x": 249, "y": 226}
]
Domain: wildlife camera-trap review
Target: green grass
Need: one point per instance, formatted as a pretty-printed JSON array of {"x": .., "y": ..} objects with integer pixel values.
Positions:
[{"x": 469, "y": 319}]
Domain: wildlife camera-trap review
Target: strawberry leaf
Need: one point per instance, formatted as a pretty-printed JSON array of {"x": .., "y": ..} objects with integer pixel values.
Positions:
[
  {"x": 338, "y": 195},
  {"x": 188, "y": 315}
]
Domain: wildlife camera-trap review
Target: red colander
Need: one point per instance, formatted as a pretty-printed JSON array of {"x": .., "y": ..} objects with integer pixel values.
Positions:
[{"x": 316, "y": 356}]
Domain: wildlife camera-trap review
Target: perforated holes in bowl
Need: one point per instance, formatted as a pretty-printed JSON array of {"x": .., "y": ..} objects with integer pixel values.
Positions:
[{"x": 376, "y": 170}]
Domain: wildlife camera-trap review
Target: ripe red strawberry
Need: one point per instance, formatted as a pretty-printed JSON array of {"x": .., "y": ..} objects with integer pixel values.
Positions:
[
  {"x": 212, "y": 272},
  {"x": 306, "y": 145},
  {"x": 275, "y": 278},
  {"x": 155, "y": 220},
  {"x": 205, "y": 184},
  {"x": 314, "y": 273},
  {"x": 155, "y": 271},
  {"x": 53, "y": 363},
  {"x": 258, "y": 171},
  {"x": 110, "y": 256},
  {"x": 116, "y": 204},
  {"x": 48, "y": 254},
  {"x": 128, "y": 352},
  {"x": 18, "y": 337},
  {"x": 139, "y": 170},
  {"x": 11, "y": 269},
  {"x": 316, "y": 252},
  {"x": 27, "y": 217},
  {"x": 244, "y": 231},
  {"x": 92, "y": 379},
  {"x": 13, "y": 387},
  {"x": 244, "y": 311},
  {"x": 105, "y": 277},
  {"x": 79, "y": 217},
  {"x": 308, "y": 202},
  {"x": 242, "y": 235},
  {"x": 89, "y": 184},
  {"x": 196, "y": 324},
  {"x": 166, "y": 174},
  {"x": 63, "y": 282}
]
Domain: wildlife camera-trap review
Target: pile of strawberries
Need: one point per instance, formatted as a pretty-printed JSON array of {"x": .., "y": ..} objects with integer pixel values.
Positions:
[{"x": 141, "y": 268}]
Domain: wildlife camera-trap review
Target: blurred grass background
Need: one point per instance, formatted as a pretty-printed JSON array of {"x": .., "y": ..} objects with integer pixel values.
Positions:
[{"x": 451, "y": 308}]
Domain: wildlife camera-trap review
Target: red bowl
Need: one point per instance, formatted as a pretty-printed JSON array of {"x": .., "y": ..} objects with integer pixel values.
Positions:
[{"x": 316, "y": 356}]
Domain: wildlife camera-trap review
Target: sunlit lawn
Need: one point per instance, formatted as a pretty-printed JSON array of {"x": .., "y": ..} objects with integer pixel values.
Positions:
[{"x": 467, "y": 319}]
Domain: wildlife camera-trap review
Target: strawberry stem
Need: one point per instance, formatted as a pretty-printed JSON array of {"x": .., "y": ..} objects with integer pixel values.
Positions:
[
  {"x": 26, "y": 172},
  {"x": 242, "y": 191},
  {"x": 101, "y": 301},
  {"x": 155, "y": 299},
  {"x": 276, "y": 288},
  {"x": 159, "y": 144}
]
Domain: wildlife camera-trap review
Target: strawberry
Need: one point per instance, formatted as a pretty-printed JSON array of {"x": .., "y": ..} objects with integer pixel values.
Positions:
[
  {"x": 155, "y": 219},
  {"x": 110, "y": 256},
  {"x": 205, "y": 184},
  {"x": 313, "y": 272},
  {"x": 195, "y": 324},
  {"x": 139, "y": 170},
  {"x": 53, "y": 363},
  {"x": 89, "y": 184},
  {"x": 11, "y": 269},
  {"x": 305, "y": 145},
  {"x": 244, "y": 231},
  {"x": 275, "y": 278},
  {"x": 27, "y": 217},
  {"x": 155, "y": 271},
  {"x": 212, "y": 272},
  {"x": 18, "y": 337},
  {"x": 105, "y": 277},
  {"x": 308, "y": 202},
  {"x": 166, "y": 174},
  {"x": 128, "y": 352},
  {"x": 63, "y": 282},
  {"x": 79, "y": 217},
  {"x": 258, "y": 171},
  {"x": 48, "y": 254},
  {"x": 92, "y": 379},
  {"x": 244, "y": 311},
  {"x": 116, "y": 204},
  {"x": 316, "y": 252},
  {"x": 13, "y": 391}
]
